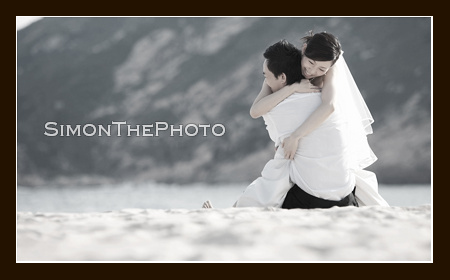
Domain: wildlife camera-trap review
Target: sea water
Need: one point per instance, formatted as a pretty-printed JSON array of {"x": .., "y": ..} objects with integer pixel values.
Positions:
[{"x": 163, "y": 196}]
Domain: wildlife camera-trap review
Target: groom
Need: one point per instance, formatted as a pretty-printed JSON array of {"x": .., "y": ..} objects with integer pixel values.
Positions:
[{"x": 283, "y": 67}]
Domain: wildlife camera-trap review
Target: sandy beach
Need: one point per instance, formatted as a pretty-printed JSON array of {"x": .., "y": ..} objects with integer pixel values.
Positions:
[{"x": 372, "y": 234}]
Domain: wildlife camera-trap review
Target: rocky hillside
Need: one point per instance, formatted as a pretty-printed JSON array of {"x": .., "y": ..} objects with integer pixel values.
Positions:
[{"x": 202, "y": 71}]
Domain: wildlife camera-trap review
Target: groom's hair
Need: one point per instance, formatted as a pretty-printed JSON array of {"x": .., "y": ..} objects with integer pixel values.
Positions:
[{"x": 284, "y": 57}]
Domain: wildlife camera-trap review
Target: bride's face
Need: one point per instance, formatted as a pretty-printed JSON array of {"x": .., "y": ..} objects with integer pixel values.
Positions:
[
  {"x": 312, "y": 68},
  {"x": 274, "y": 83}
]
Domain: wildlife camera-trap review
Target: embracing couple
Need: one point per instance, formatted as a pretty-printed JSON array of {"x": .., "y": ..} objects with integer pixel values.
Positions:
[{"x": 318, "y": 120}]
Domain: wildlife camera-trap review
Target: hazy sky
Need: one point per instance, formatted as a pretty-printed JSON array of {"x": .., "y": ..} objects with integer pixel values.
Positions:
[{"x": 22, "y": 22}]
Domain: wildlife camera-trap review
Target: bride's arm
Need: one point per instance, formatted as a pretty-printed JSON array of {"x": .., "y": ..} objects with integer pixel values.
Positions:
[
  {"x": 325, "y": 109},
  {"x": 266, "y": 100}
]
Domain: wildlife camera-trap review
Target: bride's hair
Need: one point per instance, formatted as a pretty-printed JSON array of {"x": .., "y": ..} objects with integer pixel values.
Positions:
[{"x": 322, "y": 46}]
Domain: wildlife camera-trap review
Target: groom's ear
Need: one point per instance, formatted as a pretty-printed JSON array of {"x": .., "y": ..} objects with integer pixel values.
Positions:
[{"x": 283, "y": 78}]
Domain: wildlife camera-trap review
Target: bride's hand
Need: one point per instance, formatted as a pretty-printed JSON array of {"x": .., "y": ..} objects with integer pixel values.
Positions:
[
  {"x": 305, "y": 86},
  {"x": 290, "y": 145}
]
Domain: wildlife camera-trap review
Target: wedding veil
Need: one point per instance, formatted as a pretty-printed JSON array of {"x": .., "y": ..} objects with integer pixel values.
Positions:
[{"x": 356, "y": 115}]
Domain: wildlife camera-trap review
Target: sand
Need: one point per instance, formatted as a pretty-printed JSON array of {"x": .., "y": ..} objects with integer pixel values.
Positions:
[{"x": 350, "y": 234}]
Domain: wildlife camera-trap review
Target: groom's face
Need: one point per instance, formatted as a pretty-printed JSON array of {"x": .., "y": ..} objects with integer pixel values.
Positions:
[{"x": 274, "y": 83}]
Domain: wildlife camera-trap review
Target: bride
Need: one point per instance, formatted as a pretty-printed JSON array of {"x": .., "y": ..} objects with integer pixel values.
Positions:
[{"x": 320, "y": 137}]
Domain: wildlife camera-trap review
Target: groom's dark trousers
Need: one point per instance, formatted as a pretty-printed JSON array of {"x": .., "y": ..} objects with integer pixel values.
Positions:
[{"x": 298, "y": 198}]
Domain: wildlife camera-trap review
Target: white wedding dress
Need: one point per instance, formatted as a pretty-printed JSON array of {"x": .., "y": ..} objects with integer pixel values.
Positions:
[{"x": 329, "y": 161}]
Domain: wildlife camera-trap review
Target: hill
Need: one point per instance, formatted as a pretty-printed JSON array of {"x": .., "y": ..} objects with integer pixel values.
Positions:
[{"x": 202, "y": 71}]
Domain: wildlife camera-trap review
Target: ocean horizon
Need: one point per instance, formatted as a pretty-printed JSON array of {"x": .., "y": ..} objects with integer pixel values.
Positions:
[{"x": 77, "y": 199}]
